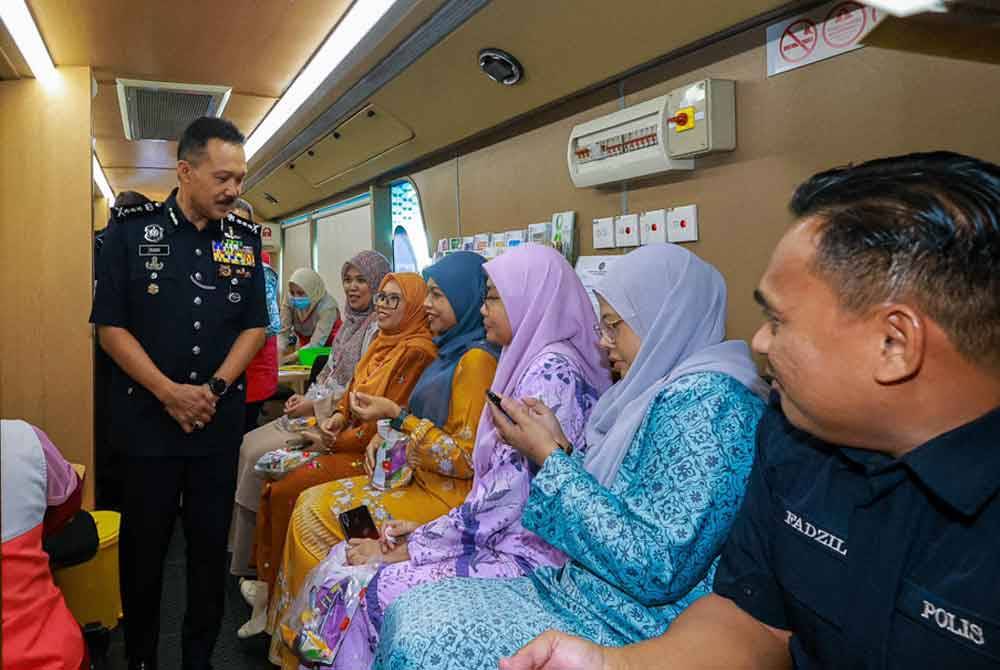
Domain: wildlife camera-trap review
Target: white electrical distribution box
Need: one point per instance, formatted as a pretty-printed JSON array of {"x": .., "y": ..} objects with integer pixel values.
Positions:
[
  {"x": 701, "y": 118},
  {"x": 627, "y": 230},
  {"x": 653, "y": 226},
  {"x": 624, "y": 145},
  {"x": 682, "y": 224},
  {"x": 604, "y": 233}
]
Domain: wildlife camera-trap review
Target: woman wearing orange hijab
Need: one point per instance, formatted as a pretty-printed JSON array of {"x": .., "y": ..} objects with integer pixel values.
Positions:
[{"x": 390, "y": 367}]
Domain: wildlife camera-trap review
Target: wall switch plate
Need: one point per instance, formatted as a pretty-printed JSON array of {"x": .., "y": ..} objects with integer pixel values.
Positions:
[
  {"x": 682, "y": 224},
  {"x": 653, "y": 226},
  {"x": 604, "y": 233},
  {"x": 627, "y": 230}
]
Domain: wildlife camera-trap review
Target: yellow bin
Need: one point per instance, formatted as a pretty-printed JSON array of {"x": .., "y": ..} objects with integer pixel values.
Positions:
[{"x": 91, "y": 588}]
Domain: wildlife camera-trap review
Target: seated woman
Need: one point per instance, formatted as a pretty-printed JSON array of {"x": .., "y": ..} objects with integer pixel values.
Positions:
[
  {"x": 310, "y": 317},
  {"x": 642, "y": 506},
  {"x": 40, "y": 492},
  {"x": 361, "y": 276},
  {"x": 390, "y": 368},
  {"x": 443, "y": 416},
  {"x": 536, "y": 309}
]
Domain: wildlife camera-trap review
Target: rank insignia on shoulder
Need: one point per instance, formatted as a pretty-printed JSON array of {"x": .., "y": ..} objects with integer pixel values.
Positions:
[
  {"x": 153, "y": 232},
  {"x": 240, "y": 221},
  {"x": 126, "y": 212}
]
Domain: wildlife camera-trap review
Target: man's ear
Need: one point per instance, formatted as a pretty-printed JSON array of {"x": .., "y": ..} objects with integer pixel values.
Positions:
[
  {"x": 902, "y": 336},
  {"x": 184, "y": 172}
]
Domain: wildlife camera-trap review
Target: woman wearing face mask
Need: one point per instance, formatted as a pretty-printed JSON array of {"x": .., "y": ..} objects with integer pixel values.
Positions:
[
  {"x": 361, "y": 277},
  {"x": 441, "y": 422},
  {"x": 537, "y": 310},
  {"x": 310, "y": 316},
  {"x": 391, "y": 367},
  {"x": 643, "y": 504}
]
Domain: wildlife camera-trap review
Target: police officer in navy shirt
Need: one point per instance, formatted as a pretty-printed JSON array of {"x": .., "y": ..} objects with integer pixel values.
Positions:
[
  {"x": 180, "y": 308},
  {"x": 870, "y": 532}
]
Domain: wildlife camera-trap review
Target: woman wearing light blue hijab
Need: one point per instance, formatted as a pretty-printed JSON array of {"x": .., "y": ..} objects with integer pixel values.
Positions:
[{"x": 642, "y": 508}]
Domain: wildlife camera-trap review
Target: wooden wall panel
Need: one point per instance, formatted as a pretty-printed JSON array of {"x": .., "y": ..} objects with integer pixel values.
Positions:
[
  {"x": 868, "y": 103},
  {"x": 46, "y": 226}
]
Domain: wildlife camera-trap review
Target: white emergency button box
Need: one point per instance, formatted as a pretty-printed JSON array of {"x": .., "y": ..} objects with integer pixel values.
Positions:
[
  {"x": 653, "y": 226},
  {"x": 627, "y": 230},
  {"x": 604, "y": 233},
  {"x": 682, "y": 224}
]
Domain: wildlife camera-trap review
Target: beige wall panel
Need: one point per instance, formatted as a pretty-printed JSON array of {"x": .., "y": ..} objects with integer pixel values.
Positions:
[
  {"x": 46, "y": 224},
  {"x": 868, "y": 103},
  {"x": 102, "y": 211},
  {"x": 436, "y": 187},
  {"x": 154, "y": 184}
]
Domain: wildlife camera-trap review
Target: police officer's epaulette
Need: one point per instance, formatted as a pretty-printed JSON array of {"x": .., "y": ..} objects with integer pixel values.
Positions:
[
  {"x": 122, "y": 214},
  {"x": 240, "y": 221}
]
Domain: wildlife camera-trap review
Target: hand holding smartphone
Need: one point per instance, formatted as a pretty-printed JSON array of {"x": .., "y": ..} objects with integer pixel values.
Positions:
[{"x": 495, "y": 399}]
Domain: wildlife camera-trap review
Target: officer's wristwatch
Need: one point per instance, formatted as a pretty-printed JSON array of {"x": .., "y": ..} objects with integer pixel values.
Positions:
[{"x": 218, "y": 386}]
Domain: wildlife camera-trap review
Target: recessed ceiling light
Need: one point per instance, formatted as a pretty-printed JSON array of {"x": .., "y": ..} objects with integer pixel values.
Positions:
[
  {"x": 20, "y": 25},
  {"x": 358, "y": 22},
  {"x": 908, "y": 7}
]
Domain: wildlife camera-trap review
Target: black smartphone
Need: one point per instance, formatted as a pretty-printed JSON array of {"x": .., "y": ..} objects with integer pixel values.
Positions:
[
  {"x": 495, "y": 399},
  {"x": 358, "y": 523}
]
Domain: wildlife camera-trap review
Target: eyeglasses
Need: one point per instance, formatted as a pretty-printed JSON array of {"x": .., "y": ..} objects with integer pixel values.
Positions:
[
  {"x": 489, "y": 299},
  {"x": 607, "y": 331},
  {"x": 390, "y": 300}
]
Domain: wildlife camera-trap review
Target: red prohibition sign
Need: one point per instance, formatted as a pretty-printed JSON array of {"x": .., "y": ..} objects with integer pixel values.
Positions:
[
  {"x": 844, "y": 24},
  {"x": 798, "y": 41}
]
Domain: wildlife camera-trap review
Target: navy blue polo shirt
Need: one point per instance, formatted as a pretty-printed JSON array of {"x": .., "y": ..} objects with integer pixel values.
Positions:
[
  {"x": 870, "y": 561},
  {"x": 185, "y": 295}
]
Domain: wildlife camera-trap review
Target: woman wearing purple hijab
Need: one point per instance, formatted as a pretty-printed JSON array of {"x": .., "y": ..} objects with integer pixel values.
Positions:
[
  {"x": 537, "y": 310},
  {"x": 643, "y": 504}
]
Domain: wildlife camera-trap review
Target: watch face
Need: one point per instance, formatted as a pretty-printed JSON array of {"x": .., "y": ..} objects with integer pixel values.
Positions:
[{"x": 217, "y": 386}]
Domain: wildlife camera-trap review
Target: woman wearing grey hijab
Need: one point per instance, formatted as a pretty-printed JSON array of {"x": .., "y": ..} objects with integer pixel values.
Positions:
[{"x": 641, "y": 508}]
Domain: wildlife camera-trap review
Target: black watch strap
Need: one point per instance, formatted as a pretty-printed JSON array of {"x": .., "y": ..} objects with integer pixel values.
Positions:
[{"x": 218, "y": 386}]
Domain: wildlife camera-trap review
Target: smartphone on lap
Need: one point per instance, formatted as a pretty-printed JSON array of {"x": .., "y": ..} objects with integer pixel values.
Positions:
[{"x": 358, "y": 524}]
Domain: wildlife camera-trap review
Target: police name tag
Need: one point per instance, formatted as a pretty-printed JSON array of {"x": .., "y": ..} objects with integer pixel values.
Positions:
[{"x": 154, "y": 249}]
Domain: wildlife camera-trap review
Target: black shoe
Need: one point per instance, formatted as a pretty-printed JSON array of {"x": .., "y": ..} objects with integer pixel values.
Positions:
[{"x": 141, "y": 664}]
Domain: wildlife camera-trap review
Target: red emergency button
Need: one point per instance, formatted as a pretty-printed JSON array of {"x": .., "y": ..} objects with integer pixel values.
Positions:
[{"x": 684, "y": 223}]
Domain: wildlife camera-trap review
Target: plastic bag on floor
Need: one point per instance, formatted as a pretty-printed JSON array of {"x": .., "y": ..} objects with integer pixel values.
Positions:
[{"x": 319, "y": 619}]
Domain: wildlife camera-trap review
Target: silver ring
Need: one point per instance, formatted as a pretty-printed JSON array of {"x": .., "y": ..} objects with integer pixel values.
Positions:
[{"x": 199, "y": 425}]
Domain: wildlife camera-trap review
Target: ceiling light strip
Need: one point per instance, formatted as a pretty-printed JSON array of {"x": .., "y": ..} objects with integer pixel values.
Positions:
[
  {"x": 102, "y": 182},
  {"x": 353, "y": 27},
  {"x": 448, "y": 18},
  {"x": 21, "y": 26}
]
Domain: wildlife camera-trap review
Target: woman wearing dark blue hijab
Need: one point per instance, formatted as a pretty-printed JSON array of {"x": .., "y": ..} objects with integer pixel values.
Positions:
[{"x": 441, "y": 422}]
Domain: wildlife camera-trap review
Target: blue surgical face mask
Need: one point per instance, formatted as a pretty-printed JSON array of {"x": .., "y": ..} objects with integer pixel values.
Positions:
[{"x": 300, "y": 302}]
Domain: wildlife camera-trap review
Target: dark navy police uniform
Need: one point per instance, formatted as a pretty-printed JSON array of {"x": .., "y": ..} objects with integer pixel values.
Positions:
[
  {"x": 185, "y": 296},
  {"x": 873, "y": 562}
]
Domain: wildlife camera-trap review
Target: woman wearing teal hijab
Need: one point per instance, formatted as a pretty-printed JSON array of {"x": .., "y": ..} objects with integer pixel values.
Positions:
[{"x": 441, "y": 422}]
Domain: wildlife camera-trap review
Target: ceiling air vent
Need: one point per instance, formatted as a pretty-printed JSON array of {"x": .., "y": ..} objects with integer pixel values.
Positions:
[{"x": 160, "y": 110}]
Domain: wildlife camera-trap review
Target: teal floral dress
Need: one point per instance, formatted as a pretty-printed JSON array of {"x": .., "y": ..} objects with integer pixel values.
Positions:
[{"x": 641, "y": 551}]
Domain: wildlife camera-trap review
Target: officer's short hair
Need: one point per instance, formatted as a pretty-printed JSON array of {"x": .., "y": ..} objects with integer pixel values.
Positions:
[
  {"x": 245, "y": 206},
  {"x": 922, "y": 227},
  {"x": 196, "y": 136}
]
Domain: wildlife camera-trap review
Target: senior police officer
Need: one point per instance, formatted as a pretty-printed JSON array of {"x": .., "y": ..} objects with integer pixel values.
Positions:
[{"x": 180, "y": 308}]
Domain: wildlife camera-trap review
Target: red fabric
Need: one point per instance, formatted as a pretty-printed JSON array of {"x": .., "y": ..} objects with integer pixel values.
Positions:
[
  {"x": 58, "y": 516},
  {"x": 39, "y": 632},
  {"x": 262, "y": 373},
  {"x": 304, "y": 340}
]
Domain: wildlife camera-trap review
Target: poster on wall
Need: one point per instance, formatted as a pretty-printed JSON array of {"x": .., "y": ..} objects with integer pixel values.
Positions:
[
  {"x": 825, "y": 32},
  {"x": 270, "y": 236}
]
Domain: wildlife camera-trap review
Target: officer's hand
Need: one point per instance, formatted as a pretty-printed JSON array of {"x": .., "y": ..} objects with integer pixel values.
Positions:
[{"x": 191, "y": 406}]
